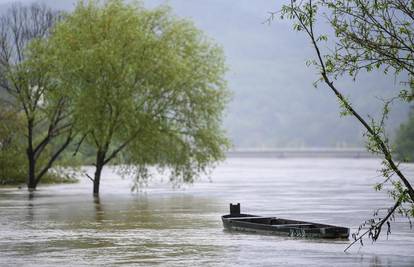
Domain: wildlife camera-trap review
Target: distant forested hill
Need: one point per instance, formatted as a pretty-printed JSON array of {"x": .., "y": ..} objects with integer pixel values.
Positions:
[{"x": 274, "y": 102}]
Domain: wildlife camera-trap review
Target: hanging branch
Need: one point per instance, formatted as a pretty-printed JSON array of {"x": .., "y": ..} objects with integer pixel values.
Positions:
[
  {"x": 305, "y": 15},
  {"x": 308, "y": 27},
  {"x": 375, "y": 230}
]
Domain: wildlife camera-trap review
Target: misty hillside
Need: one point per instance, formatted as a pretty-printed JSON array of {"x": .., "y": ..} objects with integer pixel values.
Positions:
[{"x": 274, "y": 103}]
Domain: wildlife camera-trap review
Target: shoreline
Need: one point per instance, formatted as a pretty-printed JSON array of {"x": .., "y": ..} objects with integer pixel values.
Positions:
[{"x": 302, "y": 153}]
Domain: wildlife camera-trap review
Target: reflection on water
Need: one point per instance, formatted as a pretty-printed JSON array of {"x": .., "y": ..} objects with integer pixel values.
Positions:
[{"x": 66, "y": 225}]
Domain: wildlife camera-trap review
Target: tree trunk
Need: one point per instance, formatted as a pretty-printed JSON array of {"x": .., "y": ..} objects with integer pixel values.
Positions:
[
  {"x": 31, "y": 182},
  {"x": 96, "y": 180},
  {"x": 100, "y": 162}
]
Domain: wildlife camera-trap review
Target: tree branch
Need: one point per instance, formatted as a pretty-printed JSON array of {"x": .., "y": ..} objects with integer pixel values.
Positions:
[
  {"x": 54, "y": 157},
  {"x": 90, "y": 178},
  {"x": 377, "y": 227},
  {"x": 121, "y": 147},
  {"x": 377, "y": 138},
  {"x": 79, "y": 144}
]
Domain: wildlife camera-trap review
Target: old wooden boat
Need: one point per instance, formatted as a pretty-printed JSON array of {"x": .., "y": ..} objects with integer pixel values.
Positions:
[{"x": 236, "y": 221}]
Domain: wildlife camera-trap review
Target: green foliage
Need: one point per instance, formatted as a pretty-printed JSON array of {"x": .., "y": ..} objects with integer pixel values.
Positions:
[
  {"x": 404, "y": 144},
  {"x": 369, "y": 35},
  {"x": 344, "y": 105},
  {"x": 12, "y": 154},
  {"x": 404, "y": 141},
  {"x": 372, "y": 35},
  {"x": 146, "y": 87},
  {"x": 13, "y": 159}
]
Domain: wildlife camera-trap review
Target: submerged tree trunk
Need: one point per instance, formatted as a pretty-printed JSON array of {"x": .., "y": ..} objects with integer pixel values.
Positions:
[
  {"x": 102, "y": 159},
  {"x": 96, "y": 180},
  {"x": 31, "y": 182},
  {"x": 100, "y": 162}
]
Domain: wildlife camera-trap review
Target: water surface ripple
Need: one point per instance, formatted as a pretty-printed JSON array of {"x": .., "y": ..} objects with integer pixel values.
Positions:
[{"x": 63, "y": 225}]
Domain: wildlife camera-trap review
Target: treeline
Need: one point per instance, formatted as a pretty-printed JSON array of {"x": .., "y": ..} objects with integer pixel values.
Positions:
[{"x": 117, "y": 81}]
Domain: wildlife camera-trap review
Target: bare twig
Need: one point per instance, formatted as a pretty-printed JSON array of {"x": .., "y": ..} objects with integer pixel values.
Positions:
[
  {"x": 90, "y": 178},
  {"x": 377, "y": 227}
]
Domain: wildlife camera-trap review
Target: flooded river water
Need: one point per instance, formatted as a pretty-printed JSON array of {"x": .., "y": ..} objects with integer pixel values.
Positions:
[{"x": 62, "y": 225}]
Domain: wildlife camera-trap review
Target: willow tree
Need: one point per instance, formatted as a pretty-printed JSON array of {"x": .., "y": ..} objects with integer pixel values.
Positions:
[{"x": 145, "y": 85}]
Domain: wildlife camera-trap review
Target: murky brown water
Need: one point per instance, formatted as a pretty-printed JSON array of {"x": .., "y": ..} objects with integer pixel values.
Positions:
[{"x": 64, "y": 226}]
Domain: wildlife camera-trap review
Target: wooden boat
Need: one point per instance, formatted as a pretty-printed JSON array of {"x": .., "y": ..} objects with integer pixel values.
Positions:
[{"x": 236, "y": 221}]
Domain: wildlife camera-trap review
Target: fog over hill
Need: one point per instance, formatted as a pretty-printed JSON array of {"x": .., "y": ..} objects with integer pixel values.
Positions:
[{"x": 274, "y": 103}]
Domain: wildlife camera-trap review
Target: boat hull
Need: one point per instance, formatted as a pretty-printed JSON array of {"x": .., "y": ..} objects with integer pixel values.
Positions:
[{"x": 282, "y": 227}]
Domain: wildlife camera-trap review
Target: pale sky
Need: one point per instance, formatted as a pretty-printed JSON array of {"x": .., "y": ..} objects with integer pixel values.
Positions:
[{"x": 274, "y": 102}]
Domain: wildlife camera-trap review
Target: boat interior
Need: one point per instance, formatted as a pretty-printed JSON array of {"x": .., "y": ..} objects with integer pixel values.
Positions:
[{"x": 273, "y": 221}]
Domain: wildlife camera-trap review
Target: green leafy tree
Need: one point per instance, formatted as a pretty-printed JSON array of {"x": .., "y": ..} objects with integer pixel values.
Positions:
[
  {"x": 24, "y": 76},
  {"x": 145, "y": 85},
  {"x": 368, "y": 35}
]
